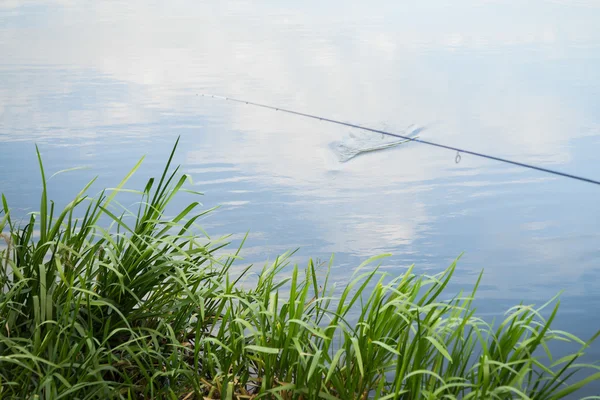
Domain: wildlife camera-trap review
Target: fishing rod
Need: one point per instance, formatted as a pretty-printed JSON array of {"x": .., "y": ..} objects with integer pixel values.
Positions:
[{"x": 412, "y": 139}]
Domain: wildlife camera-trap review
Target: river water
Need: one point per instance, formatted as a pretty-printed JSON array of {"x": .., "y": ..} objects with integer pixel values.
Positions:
[{"x": 100, "y": 84}]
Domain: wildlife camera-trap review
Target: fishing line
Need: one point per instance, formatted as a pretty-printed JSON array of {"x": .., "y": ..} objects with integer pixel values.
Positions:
[{"x": 443, "y": 146}]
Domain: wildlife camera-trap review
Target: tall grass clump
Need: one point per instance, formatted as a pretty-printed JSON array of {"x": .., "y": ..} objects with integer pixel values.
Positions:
[{"x": 98, "y": 302}]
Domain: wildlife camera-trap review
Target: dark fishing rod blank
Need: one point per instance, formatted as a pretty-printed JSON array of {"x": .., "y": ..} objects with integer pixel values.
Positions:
[{"x": 443, "y": 146}]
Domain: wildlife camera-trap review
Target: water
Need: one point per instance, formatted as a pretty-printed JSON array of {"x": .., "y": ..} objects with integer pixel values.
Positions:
[
  {"x": 359, "y": 142},
  {"x": 99, "y": 84}
]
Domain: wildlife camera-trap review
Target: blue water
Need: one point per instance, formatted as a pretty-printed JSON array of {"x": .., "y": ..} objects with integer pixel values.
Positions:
[{"x": 100, "y": 84}]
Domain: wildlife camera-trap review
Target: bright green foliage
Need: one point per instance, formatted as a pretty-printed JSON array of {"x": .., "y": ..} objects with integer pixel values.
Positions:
[{"x": 98, "y": 304}]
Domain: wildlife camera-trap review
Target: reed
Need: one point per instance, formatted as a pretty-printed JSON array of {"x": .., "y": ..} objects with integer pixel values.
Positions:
[{"x": 98, "y": 301}]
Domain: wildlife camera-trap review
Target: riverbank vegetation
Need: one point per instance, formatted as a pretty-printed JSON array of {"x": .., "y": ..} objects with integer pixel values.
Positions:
[{"x": 100, "y": 301}]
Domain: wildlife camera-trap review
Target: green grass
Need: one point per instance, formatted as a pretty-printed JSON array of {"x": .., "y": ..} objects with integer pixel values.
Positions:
[{"x": 101, "y": 302}]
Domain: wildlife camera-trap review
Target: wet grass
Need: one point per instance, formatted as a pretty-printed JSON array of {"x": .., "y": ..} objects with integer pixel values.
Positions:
[{"x": 101, "y": 302}]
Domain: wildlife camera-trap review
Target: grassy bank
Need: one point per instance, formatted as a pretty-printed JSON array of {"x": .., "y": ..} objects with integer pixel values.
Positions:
[{"x": 99, "y": 301}]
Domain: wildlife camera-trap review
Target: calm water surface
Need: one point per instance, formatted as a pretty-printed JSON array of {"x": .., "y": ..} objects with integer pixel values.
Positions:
[{"x": 99, "y": 84}]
